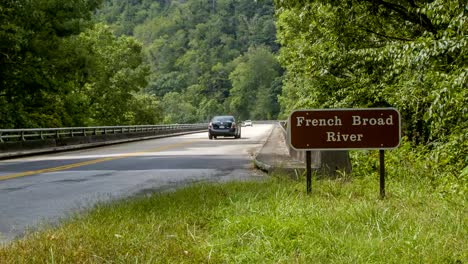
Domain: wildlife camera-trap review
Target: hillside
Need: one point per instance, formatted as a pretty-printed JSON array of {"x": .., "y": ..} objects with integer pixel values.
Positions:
[{"x": 206, "y": 57}]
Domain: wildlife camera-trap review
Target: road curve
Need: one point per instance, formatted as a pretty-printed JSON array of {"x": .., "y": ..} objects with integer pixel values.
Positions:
[{"x": 42, "y": 189}]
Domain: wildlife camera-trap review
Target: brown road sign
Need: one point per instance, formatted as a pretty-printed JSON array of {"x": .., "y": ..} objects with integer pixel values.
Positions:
[{"x": 342, "y": 129}]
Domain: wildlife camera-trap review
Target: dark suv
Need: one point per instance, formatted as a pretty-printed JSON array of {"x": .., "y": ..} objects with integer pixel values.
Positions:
[{"x": 225, "y": 126}]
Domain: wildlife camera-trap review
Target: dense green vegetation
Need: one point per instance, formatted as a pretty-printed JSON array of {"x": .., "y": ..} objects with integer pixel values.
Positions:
[
  {"x": 117, "y": 62},
  {"x": 271, "y": 221},
  {"x": 59, "y": 69},
  {"x": 206, "y": 57},
  {"x": 411, "y": 55}
]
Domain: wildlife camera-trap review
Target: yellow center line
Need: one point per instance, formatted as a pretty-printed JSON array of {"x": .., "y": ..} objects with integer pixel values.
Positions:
[{"x": 89, "y": 162}]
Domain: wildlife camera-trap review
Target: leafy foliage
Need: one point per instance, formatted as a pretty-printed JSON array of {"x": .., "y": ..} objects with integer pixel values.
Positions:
[
  {"x": 196, "y": 46},
  {"x": 114, "y": 72},
  {"x": 32, "y": 72},
  {"x": 197, "y": 58},
  {"x": 253, "y": 85},
  {"x": 411, "y": 55},
  {"x": 57, "y": 69}
]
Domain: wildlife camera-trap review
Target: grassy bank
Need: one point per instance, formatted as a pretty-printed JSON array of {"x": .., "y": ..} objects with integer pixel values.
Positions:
[{"x": 343, "y": 221}]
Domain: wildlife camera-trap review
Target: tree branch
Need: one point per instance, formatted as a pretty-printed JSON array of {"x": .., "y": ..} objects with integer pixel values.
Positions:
[
  {"x": 419, "y": 19},
  {"x": 386, "y": 36},
  {"x": 6, "y": 55}
]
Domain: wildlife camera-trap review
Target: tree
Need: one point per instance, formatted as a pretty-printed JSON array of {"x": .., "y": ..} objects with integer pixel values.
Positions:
[
  {"x": 177, "y": 110},
  {"x": 113, "y": 72},
  {"x": 32, "y": 74},
  {"x": 411, "y": 55},
  {"x": 253, "y": 93},
  {"x": 194, "y": 44}
]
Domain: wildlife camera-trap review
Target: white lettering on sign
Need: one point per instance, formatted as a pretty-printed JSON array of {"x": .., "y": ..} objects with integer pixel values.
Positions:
[
  {"x": 302, "y": 121},
  {"x": 334, "y": 137},
  {"x": 371, "y": 128},
  {"x": 361, "y": 121}
]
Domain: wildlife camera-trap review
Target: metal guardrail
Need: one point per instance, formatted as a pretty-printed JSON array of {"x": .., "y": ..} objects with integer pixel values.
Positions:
[{"x": 16, "y": 135}]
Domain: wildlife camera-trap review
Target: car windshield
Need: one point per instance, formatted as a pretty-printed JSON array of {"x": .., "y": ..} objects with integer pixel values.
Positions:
[{"x": 223, "y": 119}]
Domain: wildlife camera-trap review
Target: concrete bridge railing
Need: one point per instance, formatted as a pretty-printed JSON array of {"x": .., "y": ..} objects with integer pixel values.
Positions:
[{"x": 21, "y": 142}]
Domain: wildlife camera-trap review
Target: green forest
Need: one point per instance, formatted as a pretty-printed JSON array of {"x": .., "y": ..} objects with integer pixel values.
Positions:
[
  {"x": 125, "y": 62},
  {"x": 411, "y": 55},
  {"x": 136, "y": 62}
]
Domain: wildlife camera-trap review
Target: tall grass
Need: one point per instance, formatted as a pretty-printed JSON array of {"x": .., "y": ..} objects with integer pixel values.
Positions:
[{"x": 275, "y": 221}]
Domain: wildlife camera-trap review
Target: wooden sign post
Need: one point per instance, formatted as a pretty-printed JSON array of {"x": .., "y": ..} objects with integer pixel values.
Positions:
[{"x": 345, "y": 129}]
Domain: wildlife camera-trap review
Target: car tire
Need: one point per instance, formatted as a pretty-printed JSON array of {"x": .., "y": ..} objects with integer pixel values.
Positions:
[{"x": 210, "y": 136}]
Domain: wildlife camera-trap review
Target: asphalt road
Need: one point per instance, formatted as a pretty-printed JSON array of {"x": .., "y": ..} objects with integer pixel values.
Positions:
[{"x": 42, "y": 189}]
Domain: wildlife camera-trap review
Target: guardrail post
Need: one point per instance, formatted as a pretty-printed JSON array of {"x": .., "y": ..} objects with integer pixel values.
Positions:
[
  {"x": 22, "y": 136},
  {"x": 42, "y": 135},
  {"x": 1, "y": 137}
]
